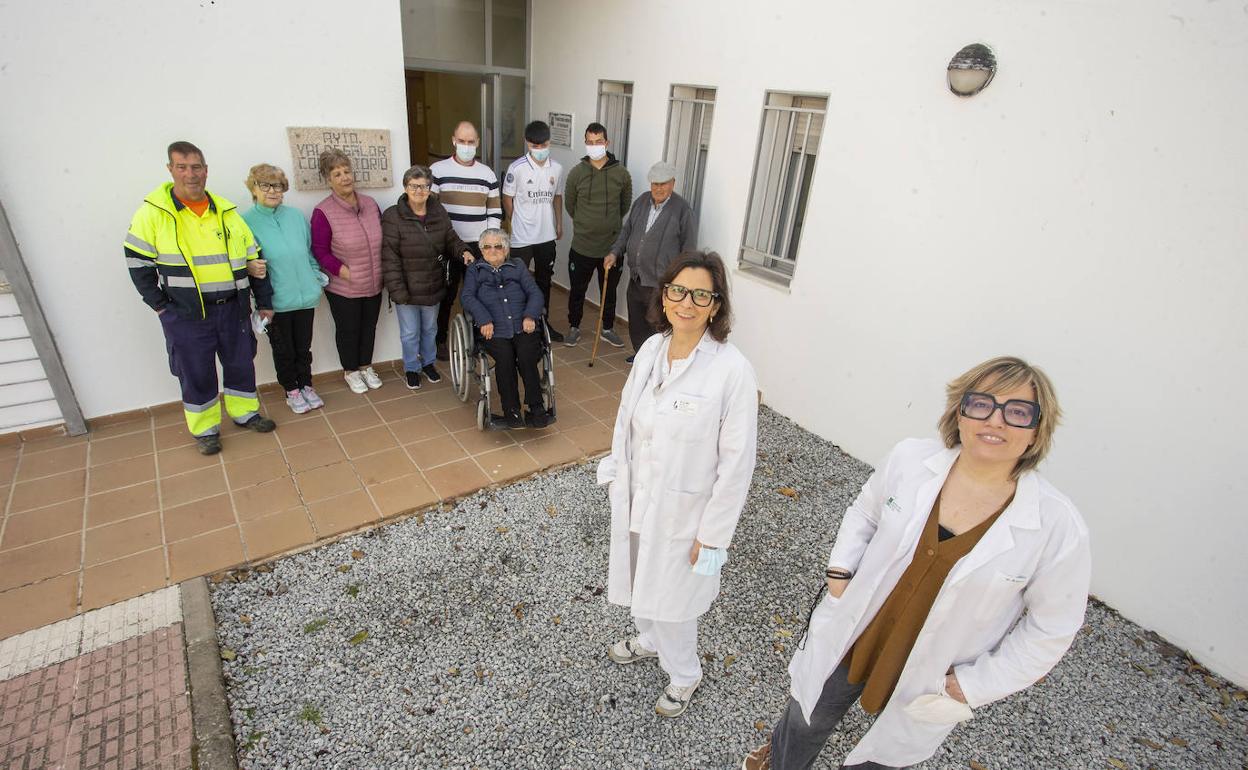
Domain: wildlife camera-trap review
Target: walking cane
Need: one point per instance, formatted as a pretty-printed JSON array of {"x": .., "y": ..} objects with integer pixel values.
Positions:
[{"x": 602, "y": 305}]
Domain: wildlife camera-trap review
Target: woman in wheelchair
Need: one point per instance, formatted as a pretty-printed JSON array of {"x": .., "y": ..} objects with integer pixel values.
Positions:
[{"x": 506, "y": 305}]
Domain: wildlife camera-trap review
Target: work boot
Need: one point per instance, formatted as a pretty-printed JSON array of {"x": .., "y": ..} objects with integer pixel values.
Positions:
[
  {"x": 258, "y": 424},
  {"x": 208, "y": 445}
]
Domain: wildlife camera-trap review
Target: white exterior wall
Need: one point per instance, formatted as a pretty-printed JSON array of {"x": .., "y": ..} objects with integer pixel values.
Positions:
[
  {"x": 1088, "y": 211},
  {"x": 91, "y": 97}
]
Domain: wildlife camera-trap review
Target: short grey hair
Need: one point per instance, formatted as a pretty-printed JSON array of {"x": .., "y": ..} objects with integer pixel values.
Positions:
[
  {"x": 417, "y": 172},
  {"x": 661, "y": 172},
  {"x": 499, "y": 233}
]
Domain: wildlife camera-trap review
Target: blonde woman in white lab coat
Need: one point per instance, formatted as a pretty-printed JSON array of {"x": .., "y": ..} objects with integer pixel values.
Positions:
[
  {"x": 958, "y": 576},
  {"x": 681, "y": 461}
]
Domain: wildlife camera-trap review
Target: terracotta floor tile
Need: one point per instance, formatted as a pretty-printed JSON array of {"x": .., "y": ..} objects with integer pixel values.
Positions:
[
  {"x": 342, "y": 513},
  {"x": 395, "y": 388},
  {"x": 349, "y": 420},
  {"x": 577, "y": 390},
  {"x": 122, "y": 579},
  {"x": 401, "y": 408},
  {"x": 612, "y": 383},
  {"x": 442, "y": 399},
  {"x": 277, "y": 533},
  {"x": 112, "y": 541},
  {"x": 239, "y": 443},
  {"x": 314, "y": 454},
  {"x": 463, "y": 418},
  {"x": 592, "y": 439},
  {"x": 11, "y": 447},
  {"x": 197, "y": 517},
  {"x": 383, "y": 466},
  {"x": 136, "y": 470},
  {"x": 506, "y": 464},
  {"x": 51, "y": 442},
  {"x": 122, "y": 428},
  {"x": 327, "y": 481},
  {"x": 477, "y": 441},
  {"x": 338, "y": 400},
  {"x": 205, "y": 553},
  {"x": 456, "y": 479},
  {"x": 367, "y": 441},
  {"x": 171, "y": 436},
  {"x": 603, "y": 408},
  {"x": 121, "y": 504},
  {"x": 42, "y": 524},
  {"x": 552, "y": 450},
  {"x": 304, "y": 431},
  {"x": 436, "y": 451},
  {"x": 571, "y": 416},
  {"x": 264, "y": 499},
  {"x": 37, "y": 605},
  {"x": 195, "y": 485},
  {"x": 179, "y": 460},
  {"x": 417, "y": 429},
  {"x": 8, "y": 469},
  {"x": 168, "y": 414},
  {"x": 48, "y": 490},
  {"x": 40, "y": 560},
  {"x": 401, "y": 495},
  {"x": 110, "y": 450},
  {"x": 256, "y": 469},
  {"x": 53, "y": 461}
]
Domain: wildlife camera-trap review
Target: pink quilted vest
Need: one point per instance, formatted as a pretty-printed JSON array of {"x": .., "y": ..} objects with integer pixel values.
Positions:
[{"x": 356, "y": 242}]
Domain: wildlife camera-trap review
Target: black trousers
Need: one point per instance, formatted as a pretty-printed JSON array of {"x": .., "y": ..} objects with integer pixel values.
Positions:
[
  {"x": 454, "y": 276},
  {"x": 290, "y": 336},
  {"x": 795, "y": 745},
  {"x": 580, "y": 269},
  {"x": 639, "y": 329},
  {"x": 355, "y": 328},
  {"x": 520, "y": 352},
  {"x": 541, "y": 258}
]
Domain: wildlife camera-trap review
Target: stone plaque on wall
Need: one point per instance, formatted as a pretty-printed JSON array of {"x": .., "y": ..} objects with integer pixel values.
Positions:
[
  {"x": 560, "y": 129},
  {"x": 368, "y": 149}
]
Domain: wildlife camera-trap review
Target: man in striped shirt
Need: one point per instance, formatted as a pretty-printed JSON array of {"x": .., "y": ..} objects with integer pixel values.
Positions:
[{"x": 469, "y": 191}]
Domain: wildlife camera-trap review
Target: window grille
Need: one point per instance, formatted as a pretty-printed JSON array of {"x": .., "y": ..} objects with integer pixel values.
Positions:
[
  {"x": 615, "y": 110},
  {"x": 689, "y": 114}
]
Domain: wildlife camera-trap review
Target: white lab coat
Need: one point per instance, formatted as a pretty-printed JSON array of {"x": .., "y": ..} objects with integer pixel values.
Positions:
[
  {"x": 702, "y": 460},
  {"x": 1033, "y": 562}
]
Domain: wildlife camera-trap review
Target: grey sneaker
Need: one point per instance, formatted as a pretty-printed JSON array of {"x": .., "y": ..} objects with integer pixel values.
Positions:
[
  {"x": 674, "y": 700},
  {"x": 629, "y": 651},
  {"x": 611, "y": 338},
  {"x": 572, "y": 337}
]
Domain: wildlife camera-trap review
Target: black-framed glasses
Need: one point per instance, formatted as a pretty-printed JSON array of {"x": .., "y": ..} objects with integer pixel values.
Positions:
[
  {"x": 1017, "y": 412},
  {"x": 677, "y": 293},
  {"x": 419, "y": 187},
  {"x": 272, "y": 186},
  {"x": 492, "y": 246}
]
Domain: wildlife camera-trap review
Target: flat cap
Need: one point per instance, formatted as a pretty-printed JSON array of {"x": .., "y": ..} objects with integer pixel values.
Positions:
[{"x": 661, "y": 172}]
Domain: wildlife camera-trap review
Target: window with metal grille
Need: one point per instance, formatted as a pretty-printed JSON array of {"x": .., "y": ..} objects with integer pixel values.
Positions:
[
  {"x": 788, "y": 145},
  {"x": 615, "y": 110},
  {"x": 690, "y": 110}
]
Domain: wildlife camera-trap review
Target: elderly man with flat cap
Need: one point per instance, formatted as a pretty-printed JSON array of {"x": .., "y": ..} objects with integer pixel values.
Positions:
[{"x": 659, "y": 226}]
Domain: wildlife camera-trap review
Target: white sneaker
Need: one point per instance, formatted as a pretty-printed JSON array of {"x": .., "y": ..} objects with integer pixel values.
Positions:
[
  {"x": 371, "y": 378},
  {"x": 314, "y": 400},
  {"x": 674, "y": 700},
  {"x": 297, "y": 403},
  {"x": 355, "y": 381},
  {"x": 629, "y": 651}
]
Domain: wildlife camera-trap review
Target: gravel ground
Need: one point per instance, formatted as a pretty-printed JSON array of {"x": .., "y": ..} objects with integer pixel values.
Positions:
[{"x": 475, "y": 636}]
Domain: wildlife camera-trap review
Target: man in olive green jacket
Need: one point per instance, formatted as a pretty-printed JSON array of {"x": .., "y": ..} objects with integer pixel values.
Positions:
[{"x": 597, "y": 195}]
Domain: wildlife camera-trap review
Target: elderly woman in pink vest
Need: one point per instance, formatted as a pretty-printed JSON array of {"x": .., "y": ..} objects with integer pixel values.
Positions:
[{"x": 346, "y": 241}]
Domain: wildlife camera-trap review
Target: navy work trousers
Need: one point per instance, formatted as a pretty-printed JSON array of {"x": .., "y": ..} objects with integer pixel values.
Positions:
[{"x": 194, "y": 346}]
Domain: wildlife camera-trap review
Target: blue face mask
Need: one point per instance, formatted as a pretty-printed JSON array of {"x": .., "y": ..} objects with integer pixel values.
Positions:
[
  {"x": 539, "y": 155},
  {"x": 465, "y": 152}
]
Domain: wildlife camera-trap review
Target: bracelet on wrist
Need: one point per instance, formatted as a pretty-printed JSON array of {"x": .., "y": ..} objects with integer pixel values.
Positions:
[{"x": 839, "y": 574}]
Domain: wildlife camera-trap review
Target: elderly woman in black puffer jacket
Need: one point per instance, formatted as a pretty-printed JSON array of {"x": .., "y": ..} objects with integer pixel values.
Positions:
[{"x": 416, "y": 241}]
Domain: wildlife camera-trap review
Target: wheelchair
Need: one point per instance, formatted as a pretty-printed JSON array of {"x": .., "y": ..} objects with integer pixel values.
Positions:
[{"x": 471, "y": 368}]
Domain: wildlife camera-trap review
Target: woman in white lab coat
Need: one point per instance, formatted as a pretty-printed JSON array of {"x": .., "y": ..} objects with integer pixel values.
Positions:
[
  {"x": 958, "y": 576},
  {"x": 681, "y": 461}
]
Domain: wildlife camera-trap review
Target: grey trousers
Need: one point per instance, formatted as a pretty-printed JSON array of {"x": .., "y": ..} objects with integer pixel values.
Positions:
[{"x": 795, "y": 745}]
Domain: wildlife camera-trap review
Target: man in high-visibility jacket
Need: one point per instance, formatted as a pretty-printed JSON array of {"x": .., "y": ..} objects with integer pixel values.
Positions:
[{"x": 188, "y": 253}]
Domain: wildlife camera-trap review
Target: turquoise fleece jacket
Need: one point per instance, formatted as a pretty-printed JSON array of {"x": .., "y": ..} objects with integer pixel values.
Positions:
[{"x": 286, "y": 244}]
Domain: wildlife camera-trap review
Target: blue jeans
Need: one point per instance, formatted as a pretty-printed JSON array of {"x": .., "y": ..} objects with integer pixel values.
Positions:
[{"x": 418, "y": 326}]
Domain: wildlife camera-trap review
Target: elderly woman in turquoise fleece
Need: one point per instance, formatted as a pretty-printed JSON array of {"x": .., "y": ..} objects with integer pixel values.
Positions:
[{"x": 286, "y": 246}]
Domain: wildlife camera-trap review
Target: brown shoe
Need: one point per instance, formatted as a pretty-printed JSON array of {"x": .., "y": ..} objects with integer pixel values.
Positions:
[{"x": 759, "y": 758}]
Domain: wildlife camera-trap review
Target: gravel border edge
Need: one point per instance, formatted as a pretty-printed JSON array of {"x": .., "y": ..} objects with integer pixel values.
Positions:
[{"x": 213, "y": 732}]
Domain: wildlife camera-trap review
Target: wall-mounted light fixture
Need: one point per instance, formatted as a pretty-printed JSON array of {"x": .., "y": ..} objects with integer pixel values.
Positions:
[{"x": 971, "y": 69}]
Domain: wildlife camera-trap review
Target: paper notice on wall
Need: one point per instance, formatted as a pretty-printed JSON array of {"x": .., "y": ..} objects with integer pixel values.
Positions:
[
  {"x": 368, "y": 149},
  {"x": 560, "y": 129}
]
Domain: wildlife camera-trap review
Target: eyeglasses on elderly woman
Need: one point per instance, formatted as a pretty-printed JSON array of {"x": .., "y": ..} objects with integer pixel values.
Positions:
[
  {"x": 701, "y": 297},
  {"x": 272, "y": 186},
  {"x": 1017, "y": 412}
]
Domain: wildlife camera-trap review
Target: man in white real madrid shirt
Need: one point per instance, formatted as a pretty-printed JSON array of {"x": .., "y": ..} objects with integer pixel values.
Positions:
[{"x": 533, "y": 199}]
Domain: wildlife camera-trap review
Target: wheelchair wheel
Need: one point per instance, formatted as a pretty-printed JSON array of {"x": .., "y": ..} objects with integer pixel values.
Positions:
[
  {"x": 461, "y": 356},
  {"x": 483, "y": 414},
  {"x": 548, "y": 381}
]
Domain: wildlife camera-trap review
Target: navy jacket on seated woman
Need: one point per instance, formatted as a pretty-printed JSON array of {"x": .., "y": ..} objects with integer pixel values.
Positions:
[{"x": 503, "y": 296}]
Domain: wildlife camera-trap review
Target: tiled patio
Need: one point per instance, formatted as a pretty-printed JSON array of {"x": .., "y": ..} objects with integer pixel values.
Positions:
[{"x": 133, "y": 507}]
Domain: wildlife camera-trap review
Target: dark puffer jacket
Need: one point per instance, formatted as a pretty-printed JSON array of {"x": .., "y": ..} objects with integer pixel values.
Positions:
[
  {"x": 503, "y": 296},
  {"x": 413, "y": 255}
]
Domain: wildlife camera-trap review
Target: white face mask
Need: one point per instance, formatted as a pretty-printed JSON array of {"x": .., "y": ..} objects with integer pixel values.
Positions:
[
  {"x": 596, "y": 151},
  {"x": 465, "y": 152}
]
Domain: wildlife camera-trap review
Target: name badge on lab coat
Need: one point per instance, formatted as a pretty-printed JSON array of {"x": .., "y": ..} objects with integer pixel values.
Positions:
[{"x": 680, "y": 406}]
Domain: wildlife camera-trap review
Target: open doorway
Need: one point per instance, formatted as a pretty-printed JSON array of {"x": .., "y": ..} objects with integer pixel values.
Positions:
[{"x": 437, "y": 101}]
